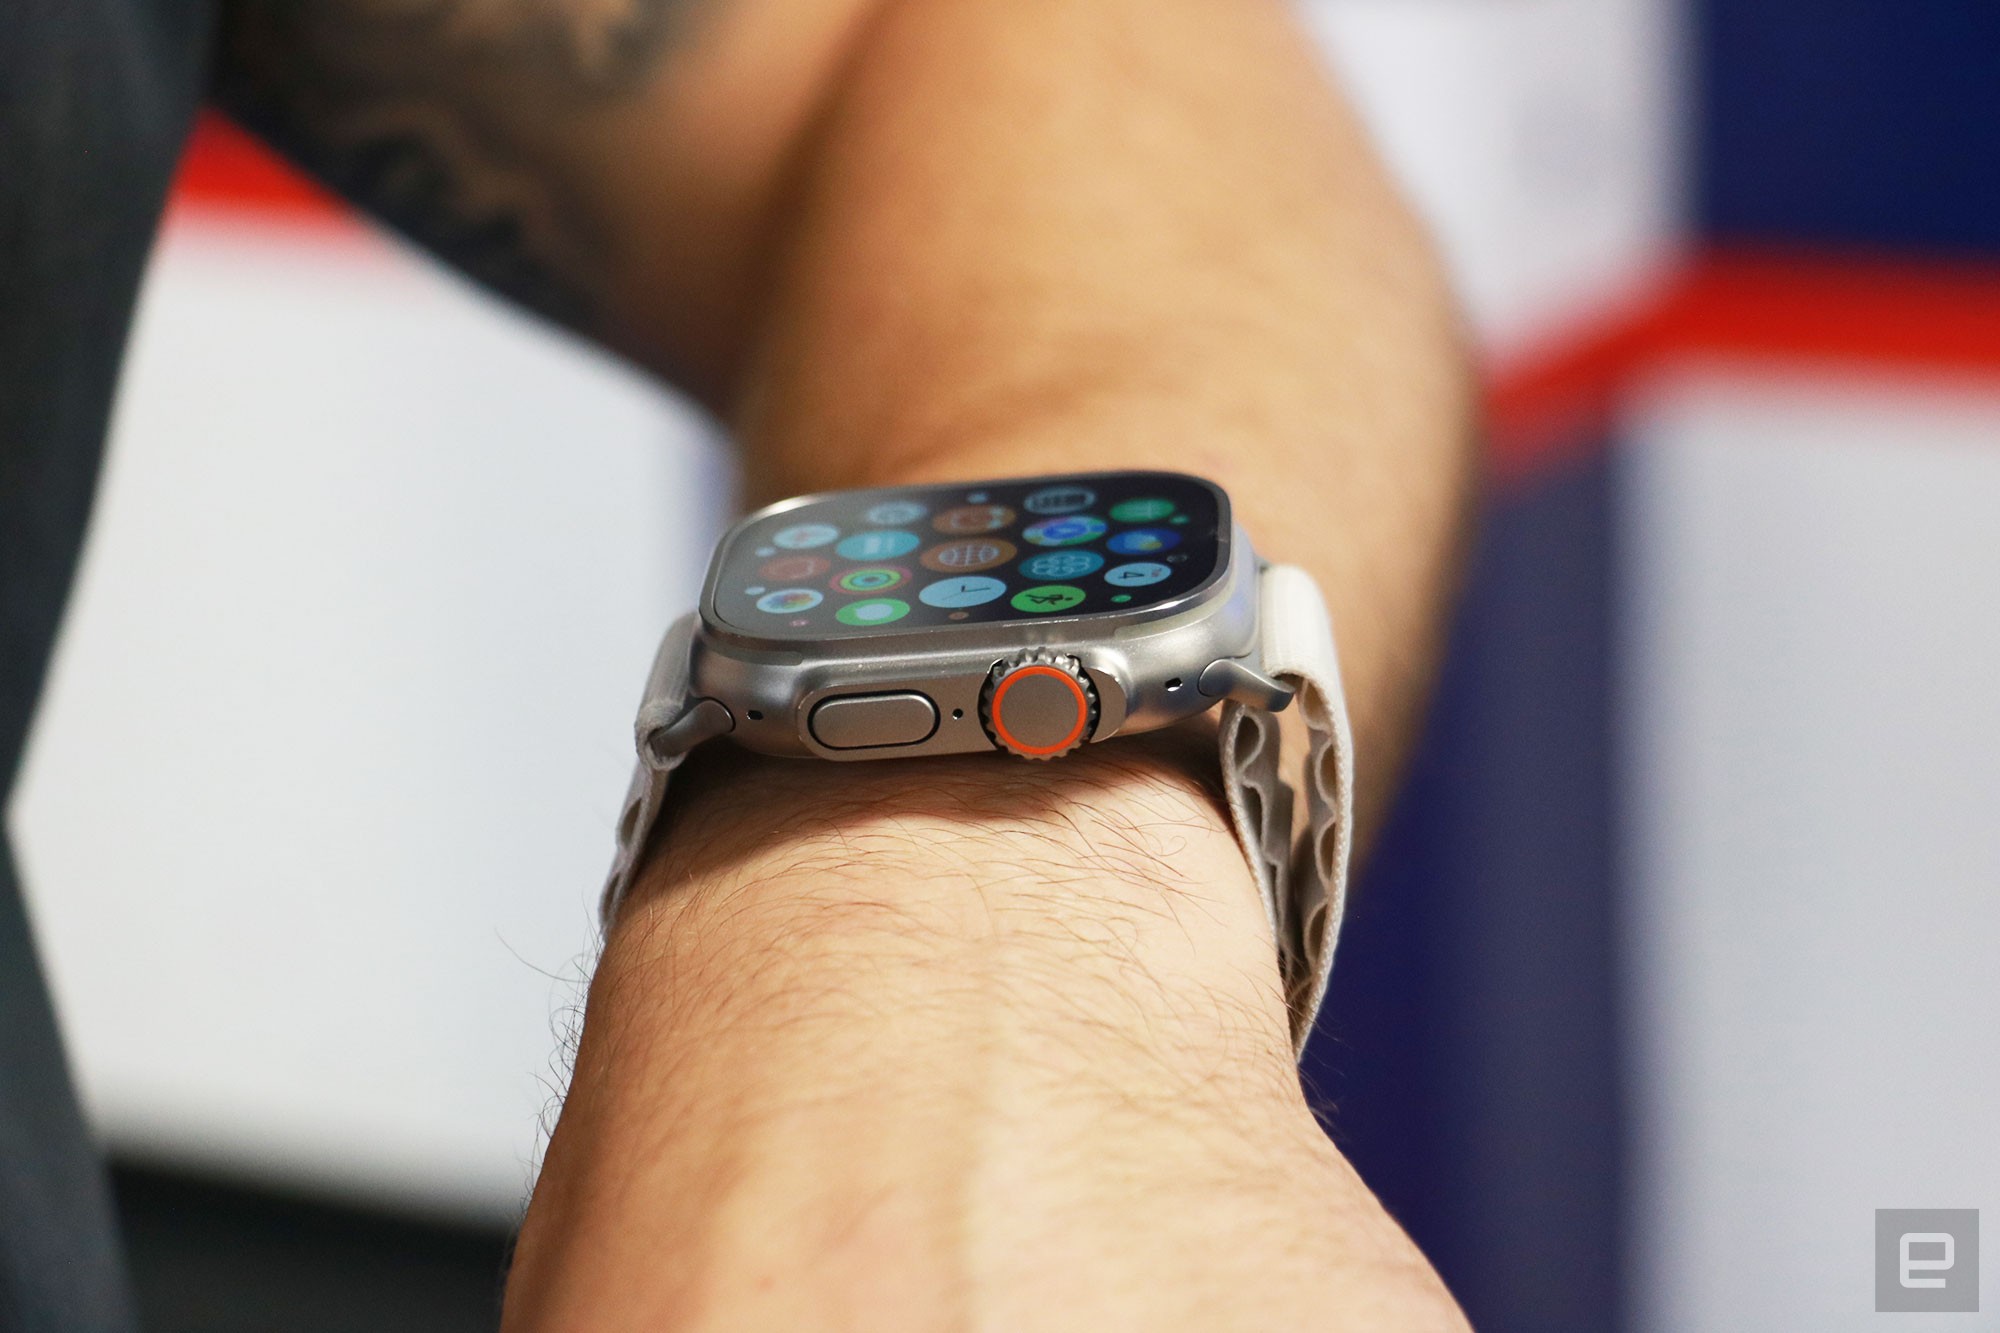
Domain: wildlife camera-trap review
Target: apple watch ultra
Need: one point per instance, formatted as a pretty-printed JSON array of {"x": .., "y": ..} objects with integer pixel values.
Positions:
[{"x": 1030, "y": 616}]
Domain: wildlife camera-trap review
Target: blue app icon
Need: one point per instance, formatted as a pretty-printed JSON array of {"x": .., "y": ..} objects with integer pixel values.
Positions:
[
  {"x": 878, "y": 545},
  {"x": 1070, "y": 531},
  {"x": 1137, "y": 574},
  {"x": 965, "y": 590},
  {"x": 1144, "y": 541},
  {"x": 1055, "y": 566}
]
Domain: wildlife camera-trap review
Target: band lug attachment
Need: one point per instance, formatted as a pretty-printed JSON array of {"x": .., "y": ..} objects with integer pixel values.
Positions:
[
  {"x": 1232, "y": 678},
  {"x": 704, "y": 720}
]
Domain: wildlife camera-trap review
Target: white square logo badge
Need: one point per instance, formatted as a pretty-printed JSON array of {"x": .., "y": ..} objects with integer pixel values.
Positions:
[{"x": 1927, "y": 1260}]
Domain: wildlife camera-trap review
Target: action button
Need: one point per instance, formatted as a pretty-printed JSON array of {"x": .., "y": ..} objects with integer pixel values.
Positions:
[{"x": 873, "y": 721}]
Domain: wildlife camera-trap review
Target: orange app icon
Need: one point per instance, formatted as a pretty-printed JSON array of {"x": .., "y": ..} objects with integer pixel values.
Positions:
[
  {"x": 974, "y": 518},
  {"x": 967, "y": 556},
  {"x": 794, "y": 568}
]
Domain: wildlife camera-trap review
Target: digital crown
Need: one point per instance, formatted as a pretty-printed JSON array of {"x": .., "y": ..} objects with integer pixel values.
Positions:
[{"x": 1038, "y": 705}]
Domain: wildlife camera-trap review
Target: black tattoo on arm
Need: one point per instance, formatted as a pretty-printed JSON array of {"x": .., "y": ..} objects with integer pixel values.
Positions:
[{"x": 445, "y": 118}]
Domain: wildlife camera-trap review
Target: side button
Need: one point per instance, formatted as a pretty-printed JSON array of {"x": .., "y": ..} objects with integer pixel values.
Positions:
[{"x": 873, "y": 721}]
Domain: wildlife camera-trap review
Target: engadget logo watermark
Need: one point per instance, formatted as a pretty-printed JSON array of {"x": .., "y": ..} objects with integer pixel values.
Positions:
[{"x": 1927, "y": 1259}]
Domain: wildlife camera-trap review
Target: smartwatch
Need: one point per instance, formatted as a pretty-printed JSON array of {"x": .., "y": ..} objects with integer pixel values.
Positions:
[{"x": 1027, "y": 617}]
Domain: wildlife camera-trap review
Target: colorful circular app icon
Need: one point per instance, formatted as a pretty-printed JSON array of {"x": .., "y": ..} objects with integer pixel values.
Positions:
[
  {"x": 968, "y": 519},
  {"x": 794, "y": 568},
  {"x": 1149, "y": 510},
  {"x": 1069, "y": 531},
  {"x": 805, "y": 536},
  {"x": 1062, "y": 564},
  {"x": 970, "y": 555},
  {"x": 1144, "y": 541},
  {"x": 1060, "y": 500},
  {"x": 1137, "y": 574},
  {"x": 885, "y": 545},
  {"x": 789, "y": 601},
  {"x": 874, "y": 611},
  {"x": 894, "y": 513},
  {"x": 1048, "y": 599},
  {"x": 953, "y": 594},
  {"x": 876, "y": 578}
]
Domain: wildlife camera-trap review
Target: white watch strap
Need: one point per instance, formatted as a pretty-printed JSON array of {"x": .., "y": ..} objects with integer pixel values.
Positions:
[{"x": 1304, "y": 887}]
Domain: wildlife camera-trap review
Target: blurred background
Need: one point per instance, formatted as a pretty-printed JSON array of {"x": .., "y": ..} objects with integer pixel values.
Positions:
[{"x": 1673, "y": 966}]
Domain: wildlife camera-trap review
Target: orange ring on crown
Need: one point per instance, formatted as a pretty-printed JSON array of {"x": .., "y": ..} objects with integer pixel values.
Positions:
[{"x": 1014, "y": 743}]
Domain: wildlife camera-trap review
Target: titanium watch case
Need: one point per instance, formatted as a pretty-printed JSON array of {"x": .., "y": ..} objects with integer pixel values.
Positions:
[{"x": 1150, "y": 667}]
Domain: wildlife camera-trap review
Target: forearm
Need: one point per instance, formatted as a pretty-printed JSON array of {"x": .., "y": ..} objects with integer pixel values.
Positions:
[{"x": 1038, "y": 236}]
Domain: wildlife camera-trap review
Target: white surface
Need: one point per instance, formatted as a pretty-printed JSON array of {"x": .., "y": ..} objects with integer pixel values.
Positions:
[
  {"x": 1816, "y": 799},
  {"x": 1541, "y": 139},
  {"x": 326, "y": 778}
]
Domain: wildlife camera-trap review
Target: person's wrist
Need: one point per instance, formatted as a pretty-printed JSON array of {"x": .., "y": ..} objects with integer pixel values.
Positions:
[
  {"x": 1109, "y": 882},
  {"x": 925, "y": 990}
]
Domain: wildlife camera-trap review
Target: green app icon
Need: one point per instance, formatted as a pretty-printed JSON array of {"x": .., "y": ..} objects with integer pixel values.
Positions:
[
  {"x": 874, "y": 611},
  {"x": 869, "y": 580},
  {"x": 1047, "y": 599},
  {"x": 1142, "y": 511}
]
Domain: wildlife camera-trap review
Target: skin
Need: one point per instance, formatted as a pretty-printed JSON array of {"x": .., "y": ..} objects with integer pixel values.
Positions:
[{"x": 958, "y": 1042}]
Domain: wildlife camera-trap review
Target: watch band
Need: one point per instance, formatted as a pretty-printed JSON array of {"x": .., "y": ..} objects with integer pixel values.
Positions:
[
  {"x": 664, "y": 705},
  {"x": 1303, "y": 886}
]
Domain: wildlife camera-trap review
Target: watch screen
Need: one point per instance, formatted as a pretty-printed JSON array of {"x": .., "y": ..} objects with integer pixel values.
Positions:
[{"x": 1022, "y": 550}]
